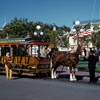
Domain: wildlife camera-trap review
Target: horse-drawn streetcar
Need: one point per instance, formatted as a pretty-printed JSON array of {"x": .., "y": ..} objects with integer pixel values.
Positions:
[{"x": 28, "y": 55}]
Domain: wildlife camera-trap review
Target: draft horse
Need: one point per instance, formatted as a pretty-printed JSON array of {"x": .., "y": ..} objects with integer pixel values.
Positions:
[{"x": 65, "y": 59}]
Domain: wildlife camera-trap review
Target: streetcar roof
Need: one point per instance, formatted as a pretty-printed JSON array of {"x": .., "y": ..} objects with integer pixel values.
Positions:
[{"x": 22, "y": 41}]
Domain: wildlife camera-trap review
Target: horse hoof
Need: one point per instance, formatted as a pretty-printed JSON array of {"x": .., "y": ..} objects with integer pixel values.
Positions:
[
  {"x": 52, "y": 78},
  {"x": 71, "y": 80},
  {"x": 74, "y": 80}
]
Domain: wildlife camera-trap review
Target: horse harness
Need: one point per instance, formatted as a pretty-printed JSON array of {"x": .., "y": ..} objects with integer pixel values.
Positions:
[{"x": 70, "y": 58}]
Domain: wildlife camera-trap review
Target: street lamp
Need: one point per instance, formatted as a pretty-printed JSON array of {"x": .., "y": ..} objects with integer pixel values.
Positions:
[
  {"x": 38, "y": 33},
  {"x": 77, "y": 29},
  {"x": 54, "y": 30},
  {"x": 38, "y": 27},
  {"x": 77, "y": 23}
]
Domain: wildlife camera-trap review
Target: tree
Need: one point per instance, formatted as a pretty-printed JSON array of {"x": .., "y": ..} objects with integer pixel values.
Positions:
[
  {"x": 18, "y": 28},
  {"x": 96, "y": 39}
]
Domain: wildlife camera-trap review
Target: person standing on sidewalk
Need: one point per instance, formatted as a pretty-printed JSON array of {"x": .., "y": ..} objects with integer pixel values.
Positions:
[
  {"x": 92, "y": 66},
  {"x": 8, "y": 66}
]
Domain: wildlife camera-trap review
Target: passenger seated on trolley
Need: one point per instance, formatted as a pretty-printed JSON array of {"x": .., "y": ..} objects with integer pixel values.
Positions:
[
  {"x": 44, "y": 55},
  {"x": 45, "y": 52}
]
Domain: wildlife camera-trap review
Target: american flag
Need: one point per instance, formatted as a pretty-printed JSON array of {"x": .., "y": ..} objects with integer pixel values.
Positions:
[
  {"x": 86, "y": 31},
  {"x": 80, "y": 35}
]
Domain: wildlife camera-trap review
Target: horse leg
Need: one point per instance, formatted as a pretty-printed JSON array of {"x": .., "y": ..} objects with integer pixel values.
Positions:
[
  {"x": 52, "y": 73},
  {"x": 52, "y": 69},
  {"x": 74, "y": 76},
  {"x": 71, "y": 75},
  {"x": 55, "y": 74}
]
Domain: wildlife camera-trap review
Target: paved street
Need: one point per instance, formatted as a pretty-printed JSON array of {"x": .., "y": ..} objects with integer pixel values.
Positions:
[{"x": 46, "y": 89}]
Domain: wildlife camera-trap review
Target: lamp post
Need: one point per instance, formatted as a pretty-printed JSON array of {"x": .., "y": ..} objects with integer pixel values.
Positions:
[
  {"x": 38, "y": 33},
  {"x": 77, "y": 23},
  {"x": 77, "y": 29},
  {"x": 54, "y": 30}
]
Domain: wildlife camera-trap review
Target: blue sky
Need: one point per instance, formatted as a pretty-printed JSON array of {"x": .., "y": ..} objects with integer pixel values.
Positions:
[{"x": 59, "y": 12}]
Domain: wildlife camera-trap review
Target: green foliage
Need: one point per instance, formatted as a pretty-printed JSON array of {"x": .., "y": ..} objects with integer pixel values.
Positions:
[
  {"x": 96, "y": 26},
  {"x": 18, "y": 28},
  {"x": 96, "y": 39}
]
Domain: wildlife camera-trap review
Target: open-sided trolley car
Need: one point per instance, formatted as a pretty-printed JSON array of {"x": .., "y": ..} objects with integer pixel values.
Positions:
[{"x": 29, "y": 55}]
